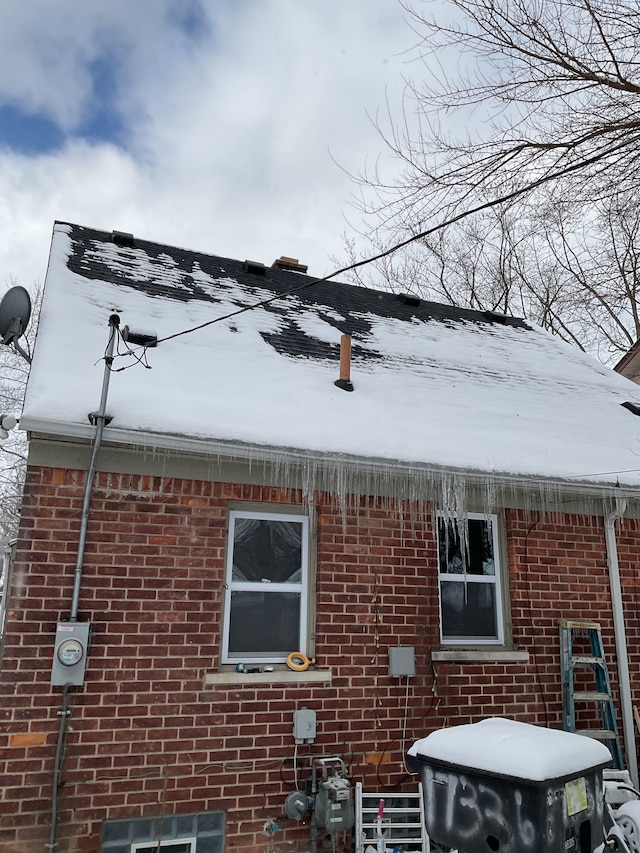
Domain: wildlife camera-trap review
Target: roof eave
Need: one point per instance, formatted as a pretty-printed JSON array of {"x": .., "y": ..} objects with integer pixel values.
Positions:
[{"x": 287, "y": 457}]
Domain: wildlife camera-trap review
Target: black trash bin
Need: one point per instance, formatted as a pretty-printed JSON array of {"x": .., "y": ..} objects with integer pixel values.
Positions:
[{"x": 501, "y": 785}]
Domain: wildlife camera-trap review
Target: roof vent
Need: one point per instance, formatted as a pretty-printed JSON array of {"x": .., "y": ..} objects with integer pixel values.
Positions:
[
  {"x": 292, "y": 264},
  {"x": 122, "y": 238},
  {"x": 255, "y": 267},
  {"x": 634, "y": 408},
  {"x": 409, "y": 299},
  {"x": 495, "y": 317}
]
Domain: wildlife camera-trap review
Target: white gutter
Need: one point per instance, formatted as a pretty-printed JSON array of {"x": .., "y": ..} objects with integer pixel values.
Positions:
[
  {"x": 628, "y": 725},
  {"x": 314, "y": 461}
]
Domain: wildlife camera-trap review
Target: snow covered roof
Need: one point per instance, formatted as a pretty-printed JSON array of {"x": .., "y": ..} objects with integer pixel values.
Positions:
[{"x": 435, "y": 387}]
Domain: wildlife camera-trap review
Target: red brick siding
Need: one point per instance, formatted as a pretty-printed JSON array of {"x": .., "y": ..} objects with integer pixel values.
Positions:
[{"x": 147, "y": 737}]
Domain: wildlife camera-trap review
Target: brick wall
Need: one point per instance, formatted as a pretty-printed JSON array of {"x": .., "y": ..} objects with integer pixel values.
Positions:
[{"x": 148, "y": 737}]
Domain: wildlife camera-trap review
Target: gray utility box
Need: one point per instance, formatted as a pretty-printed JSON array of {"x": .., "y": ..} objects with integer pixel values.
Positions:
[
  {"x": 500, "y": 785},
  {"x": 70, "y": 654}
]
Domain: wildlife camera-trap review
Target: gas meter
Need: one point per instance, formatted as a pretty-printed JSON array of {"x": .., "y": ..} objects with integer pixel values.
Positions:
[{"x": 333, "y": 804}]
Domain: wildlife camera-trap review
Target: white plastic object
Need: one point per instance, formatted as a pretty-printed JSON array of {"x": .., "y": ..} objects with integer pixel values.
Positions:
[{"x": 628, "y": 819}]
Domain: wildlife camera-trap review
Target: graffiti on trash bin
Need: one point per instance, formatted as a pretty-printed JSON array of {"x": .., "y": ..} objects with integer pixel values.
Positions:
[{"x": 470, "y": 810}]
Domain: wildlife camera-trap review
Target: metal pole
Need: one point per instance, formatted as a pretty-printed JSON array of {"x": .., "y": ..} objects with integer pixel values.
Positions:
[{"x": 99, "y": 419}]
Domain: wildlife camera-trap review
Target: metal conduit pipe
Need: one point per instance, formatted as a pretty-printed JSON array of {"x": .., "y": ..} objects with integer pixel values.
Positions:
[
  {"x": 57, "y": 767},
  {"x": 99, "y": 418},
  {"x": 628, "y": 727}
]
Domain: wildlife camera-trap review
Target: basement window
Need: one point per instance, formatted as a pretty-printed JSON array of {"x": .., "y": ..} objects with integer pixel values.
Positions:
[
  {"x": 200, "y": 832},
  {"x": 267, "y": 587},
  {"x": 469, "y": 580}
]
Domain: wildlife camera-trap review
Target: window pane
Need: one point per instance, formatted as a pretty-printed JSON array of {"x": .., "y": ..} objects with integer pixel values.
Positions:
[
  {"x": 263, "y": 623},
  {"x": 267, "y": 551},
  {"x": 473, "y": 557},
  {"x": 468, "y": 610}
]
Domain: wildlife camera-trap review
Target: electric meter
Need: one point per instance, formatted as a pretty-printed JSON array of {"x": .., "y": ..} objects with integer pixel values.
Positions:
[{"x": 70, "y": 652}]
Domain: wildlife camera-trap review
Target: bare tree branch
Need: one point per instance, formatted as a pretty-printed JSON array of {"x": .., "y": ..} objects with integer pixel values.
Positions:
[
  {"x": 14, "y": 371},
  {"x": 524, "y": 127}
]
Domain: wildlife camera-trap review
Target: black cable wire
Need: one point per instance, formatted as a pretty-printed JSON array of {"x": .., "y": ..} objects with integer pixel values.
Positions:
[
  {"x": 138, "y": 358},
  {"x": 452, "y": 220}
]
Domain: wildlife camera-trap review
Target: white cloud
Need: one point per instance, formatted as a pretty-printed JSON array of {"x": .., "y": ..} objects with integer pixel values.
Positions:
[
  {"x": 230, "y": 133},
  {"x": 47, "y": 49}
]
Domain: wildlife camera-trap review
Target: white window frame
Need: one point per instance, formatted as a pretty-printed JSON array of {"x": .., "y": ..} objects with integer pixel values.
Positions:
[
  {"x": 231, "y": 586},
  {"x": 151, "y": 846},
  {"x": 495, "y": 580}
]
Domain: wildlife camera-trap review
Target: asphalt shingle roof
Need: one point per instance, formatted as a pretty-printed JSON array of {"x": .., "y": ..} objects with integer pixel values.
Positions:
[
  {"x": 435, "y": 386},
  {"x": 169, "y": 275}
]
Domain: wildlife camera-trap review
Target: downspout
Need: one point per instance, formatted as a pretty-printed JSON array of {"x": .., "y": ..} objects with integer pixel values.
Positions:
[
  {"x": 8, "y": 550},
  {"x": 628, "y": 727},
  {"x": 99, "y": 418}
]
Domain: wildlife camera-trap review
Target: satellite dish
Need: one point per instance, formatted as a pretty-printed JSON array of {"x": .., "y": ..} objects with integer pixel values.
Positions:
[{"x": 15, "y": 311}]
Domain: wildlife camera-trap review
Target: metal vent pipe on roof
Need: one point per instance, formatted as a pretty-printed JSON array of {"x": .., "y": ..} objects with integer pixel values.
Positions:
[{"x": 344, "y": 381}]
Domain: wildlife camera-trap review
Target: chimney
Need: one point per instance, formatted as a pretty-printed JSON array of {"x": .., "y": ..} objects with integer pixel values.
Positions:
[
  {"x": 345, "y": 364},
  {"x": 291, "y": 264}
]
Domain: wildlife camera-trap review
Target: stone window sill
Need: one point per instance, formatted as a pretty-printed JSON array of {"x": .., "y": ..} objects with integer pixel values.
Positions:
[
  {"x": 253, "y": 679},
  {"x": 479, "y": 655}
]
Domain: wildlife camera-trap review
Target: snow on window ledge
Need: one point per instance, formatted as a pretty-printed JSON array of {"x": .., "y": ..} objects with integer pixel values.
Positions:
[
  {"x": 475, "y": 655},
  {"x": 310, "y": 676}
]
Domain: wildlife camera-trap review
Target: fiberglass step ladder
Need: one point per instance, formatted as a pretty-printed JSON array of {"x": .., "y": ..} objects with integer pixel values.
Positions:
[
  {"x": 573, "y": 633},
  {"x": 402, "y": 824}
]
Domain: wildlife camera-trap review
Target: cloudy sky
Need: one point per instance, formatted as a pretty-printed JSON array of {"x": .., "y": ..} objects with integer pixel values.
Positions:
[{"x": 217, "y": 125}]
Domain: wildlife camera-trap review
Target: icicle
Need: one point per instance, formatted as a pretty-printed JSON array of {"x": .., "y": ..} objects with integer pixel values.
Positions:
[{"x": 411, "y": 492}]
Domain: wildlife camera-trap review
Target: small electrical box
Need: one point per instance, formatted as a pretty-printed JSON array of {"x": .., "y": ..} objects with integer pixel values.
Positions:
[
  {"x": 304, "y": 725},
  {"x": 402, "y": 662},
  {"x": 70, "y": 653}
]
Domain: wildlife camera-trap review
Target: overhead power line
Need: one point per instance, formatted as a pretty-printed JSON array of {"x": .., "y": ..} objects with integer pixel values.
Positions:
[{"x": 452, "y": 220}]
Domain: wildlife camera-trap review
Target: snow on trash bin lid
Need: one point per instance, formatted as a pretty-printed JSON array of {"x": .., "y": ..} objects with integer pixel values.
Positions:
[{"x": 509, "y": 748}]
